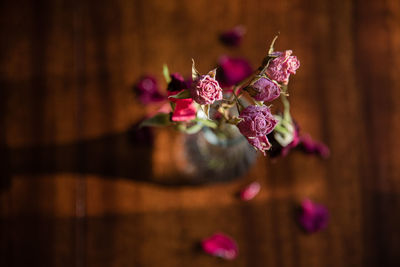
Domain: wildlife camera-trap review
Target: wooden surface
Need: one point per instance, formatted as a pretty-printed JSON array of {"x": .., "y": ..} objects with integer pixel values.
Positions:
[{"x": 77, "y": 191}]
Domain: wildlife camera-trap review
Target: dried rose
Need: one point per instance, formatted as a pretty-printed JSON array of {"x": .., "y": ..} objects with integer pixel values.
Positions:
[
  {"x": 263, "y": 89},
  {"x": 234, "y": 36},
  {"x": 250, "y": 191},
  {"x": 147, "y": 90},
  {"x": 313, "y": 217},
  {"x": 280, "y": 68},
  {"x": 220, "y": 245},
  {"x": 206, "y": 90},
  {"x": 233, "y": 70},
  {"x": 256, "y": 121}
]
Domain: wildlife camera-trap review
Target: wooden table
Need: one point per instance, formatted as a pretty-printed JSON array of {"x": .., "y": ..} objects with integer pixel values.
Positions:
[{"x": 76, "y": 191}]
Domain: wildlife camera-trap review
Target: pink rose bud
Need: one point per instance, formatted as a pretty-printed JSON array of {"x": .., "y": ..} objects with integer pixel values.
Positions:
[
  {"x": 263, "y": 89},
  {"x": 280, "y": 68},
  {"x": 314, "y": 217},
  {"x": 257, "y": 121},
  {"x": 206, "y": 90},
  {"x": 233, "y": 37},
  {"x": 250, "y": 191},
  {"x": 220, "y": 245},
  {"x": 233, "y": 70}
]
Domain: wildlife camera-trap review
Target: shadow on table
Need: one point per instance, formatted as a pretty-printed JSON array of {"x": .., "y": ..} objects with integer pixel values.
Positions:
[{"x": 123, "y": 155}]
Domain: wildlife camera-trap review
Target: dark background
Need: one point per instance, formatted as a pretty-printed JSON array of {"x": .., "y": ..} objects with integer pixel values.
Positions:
[{"x": 77, "y": 190}]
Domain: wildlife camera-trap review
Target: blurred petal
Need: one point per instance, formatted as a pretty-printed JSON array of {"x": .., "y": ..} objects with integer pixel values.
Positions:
[
  {"x": 250, "y": 191},
  {"x": 233, "y": 70},
  {"x": 147, "y": 90},
  {"x": 314, "y": 217},
  {"x": 178, "y": 83},
  {"x": 313, "y": 147},
  {"x": 220, "y": 245},
  {"x": 234, "y": 36}
]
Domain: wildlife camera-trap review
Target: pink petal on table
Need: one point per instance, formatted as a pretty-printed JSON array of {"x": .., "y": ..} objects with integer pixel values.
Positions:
[
  {"x": 250, "y": 191},
  {"x": 314, "y": 217},
  {"x": 220, "y": 245}
]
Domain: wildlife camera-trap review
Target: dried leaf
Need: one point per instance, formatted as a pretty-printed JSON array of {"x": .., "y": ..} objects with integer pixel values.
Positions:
[
  {"x": 184, "y": 94},
  {"x": 195, "y": 73},
  {"x": 166, "y": 73}
]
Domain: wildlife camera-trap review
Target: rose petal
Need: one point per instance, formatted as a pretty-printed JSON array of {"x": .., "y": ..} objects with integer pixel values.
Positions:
[
  {"x": 314, "y": 217},
  {"x": 220, "y": 245},
  {"x": 313, "y": 147},
  {"x": 250, "y": 191},
  {"x": 233, "y": 70},
  {"x": 147, "y": 90},
  {"x": 233, "y": 37},
  {"x": 185, "y": 110}
]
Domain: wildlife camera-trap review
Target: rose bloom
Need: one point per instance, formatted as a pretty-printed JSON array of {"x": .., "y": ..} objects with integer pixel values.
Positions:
[
  {"x": 206, "y": 90},
  {"x": 280, "y": 68},
  {"x": 264, "y": 89},
  {"x": 256, "y": 124},
  {"x": 257, "y": 121}
]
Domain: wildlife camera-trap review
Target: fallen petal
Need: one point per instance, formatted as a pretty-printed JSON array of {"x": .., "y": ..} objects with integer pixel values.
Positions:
[
  {"x": 314, "y": 217},
  {"x": 220, "y": 245},
  {"x": 250, "y": 191}
]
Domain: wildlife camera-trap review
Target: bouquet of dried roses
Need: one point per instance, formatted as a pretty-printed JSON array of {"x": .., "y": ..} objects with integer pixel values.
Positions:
[{"x": 202, "y": 102}]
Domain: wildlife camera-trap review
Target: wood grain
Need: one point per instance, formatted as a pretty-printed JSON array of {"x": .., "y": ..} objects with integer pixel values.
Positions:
[{"x": 77, "y": 188}]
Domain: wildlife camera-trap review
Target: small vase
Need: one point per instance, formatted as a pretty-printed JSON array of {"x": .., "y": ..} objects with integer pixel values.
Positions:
[{"x": 218, "y": 156}]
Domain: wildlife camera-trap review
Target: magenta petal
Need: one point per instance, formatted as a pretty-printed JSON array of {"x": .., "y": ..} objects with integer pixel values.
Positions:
[
  {"x": 220, "y": 245},
  {"x": 313, "y": 147},
  {"x": 250, "y": 191},
  {"x": 314, "y": 217}
]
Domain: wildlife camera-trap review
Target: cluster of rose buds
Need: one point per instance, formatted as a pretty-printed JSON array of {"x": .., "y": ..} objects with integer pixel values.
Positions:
[{"x": 192, "y": 99}]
